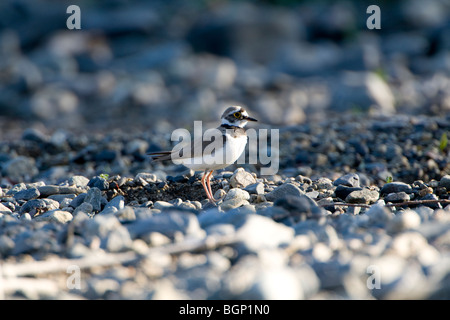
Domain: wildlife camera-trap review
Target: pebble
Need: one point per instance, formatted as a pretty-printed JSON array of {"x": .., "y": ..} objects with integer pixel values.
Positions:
[
  {"x": 379, "y": 215},
  {"x": 445, "y": 182},
  {"x": 404, "y": 221},
  {"x": 20, "y": 168},
  {"x": 144, "y": 178},
  {"x": 125, "y": 214},
  {"x": 58, "y": 216},
  {"x": 220, "y": 194},
  {"x": 16, "y": 188},
  {"x": 431, "y": 205},
  {"x": 114, "y": 205},
  {"x": 241, "y": 179},
  {"x": 161, "y": 205},
  {"x": 39, "y": 204},
  {"x": 94, "y": 198},
  {"x": 282, "y": 191},
  {"x": 342, "y": 192},
  {"x": 98, "y": 182},
  {"x": 85, "y": 207},
  {"x": 78, "y": 181},
  {"x": 364, "y": 196},
  {"x": 394, "y": 187},
  {"x": 261, "y": 232},
  {"x": 408, "y": 244},
  {"x": 156, "y": 239},
  {"x": 27, "y": 194},
  {"x": 302, "y": 206},
  {"x": 4, "y": 209},
  {"x": 349, "y": 180},
  {"x": 397, "y": 197},
  {"x": 255, "y": 188},
  {"x": 49, "y": 190},
  {"x": 167, "y": 224},
  {"x": 78, "y": 200},
  {"x": 235, "y": 198}
]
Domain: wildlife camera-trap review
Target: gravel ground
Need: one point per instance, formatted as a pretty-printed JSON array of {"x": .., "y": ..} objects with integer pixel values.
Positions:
[
  {"x": 357, "y": 210},
  {"x": 319, "y": 229}
]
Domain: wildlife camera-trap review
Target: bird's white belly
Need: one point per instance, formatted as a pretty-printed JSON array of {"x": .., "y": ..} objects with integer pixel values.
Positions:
[{"x": 220, "y": 159}]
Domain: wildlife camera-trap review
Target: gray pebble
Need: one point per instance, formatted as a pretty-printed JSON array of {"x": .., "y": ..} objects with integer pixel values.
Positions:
[
  {"x": 364, "y": 196},
  {"x": 58, "y": 216},
  {"x": 343, "y": 191},
  {"x": 6, "y": 245},
  {"x": 117, "y": 203},
  {"x": 301, "y": 206},
  {"x": 125, "y": 214},
  {"x": 323, "y": 183},
  {"x": 162, "y": 205},
  {"x": 284, "y": 190},
  {"x": 235, "y": 198},
  {"x": 26, "y": 217},
  {"x": 255, "y": 188},
  {"x": 431, "y": 205},
  {"x": 16, "y": 188},
  {"x": 78, "y": 200},
  {"x": 187, "y": 205},
  {"x": 167, "y": 223},
  {"x": 78, "y": 181},
  {"x": 84, "y": 207},
  {"x": 118, "y": 240},
  {"x": 35, "y": 135},
  {"x": 241, "y": 179},
  {"x": 27, "y": 194},
  {"x": 49, "y": 190},
  {"x": 394, "y": 187},
  {"x": 249, "y": 279},
  {"x": 144, "y": 178},
  {"x": 94, "y": 197},
  {"x": 98, "y": 182},
  {"x": 397, "y": 197},
  {"x": 20, "y": 168},
  {"x": 220, "y": 229},
  {"x": 62, "y": 197},
  {"x": 349, "y": 180},
  {"x": 4, "y": 209},
  {"x": 260, "y": 232},
  {"x": 403, "y": 221},
  {"x": 445, "y": 182},
  {"x": 379, "y": 215},
  {"x": 101, "y": 226},
  {"x": 155, "y": 239},
  {"x": 39, "y": 204}
]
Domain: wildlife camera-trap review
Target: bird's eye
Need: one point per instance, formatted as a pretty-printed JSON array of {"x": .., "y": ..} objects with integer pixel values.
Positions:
[{"x": 237, "y": 115}]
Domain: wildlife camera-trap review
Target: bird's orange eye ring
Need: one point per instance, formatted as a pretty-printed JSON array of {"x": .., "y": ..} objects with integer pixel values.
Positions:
[{"x": 237, "y": 115}]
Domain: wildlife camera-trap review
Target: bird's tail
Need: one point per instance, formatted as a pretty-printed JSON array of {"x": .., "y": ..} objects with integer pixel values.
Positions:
[{"x": 161, "y": 155}]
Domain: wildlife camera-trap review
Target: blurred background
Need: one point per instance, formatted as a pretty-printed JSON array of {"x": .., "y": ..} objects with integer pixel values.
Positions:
[{"x": 156, "y": 65}]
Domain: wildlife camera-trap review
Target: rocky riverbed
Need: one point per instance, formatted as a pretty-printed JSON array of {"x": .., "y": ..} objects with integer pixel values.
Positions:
[
  {"x": 330, "y": 224},
  {"x": 357, "y": 210}
]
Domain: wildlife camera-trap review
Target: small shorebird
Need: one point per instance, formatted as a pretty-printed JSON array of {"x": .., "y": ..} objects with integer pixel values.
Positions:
[{"x": 234, "y": 140}]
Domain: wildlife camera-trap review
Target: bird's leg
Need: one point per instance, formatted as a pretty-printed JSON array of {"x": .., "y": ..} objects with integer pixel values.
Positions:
[
  {"x": 208, "y": 180},
  {"x": 210, "y": 198}
]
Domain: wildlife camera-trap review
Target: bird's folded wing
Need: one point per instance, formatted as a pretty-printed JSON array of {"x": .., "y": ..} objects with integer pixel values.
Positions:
[{"x": 186, "y": 150}]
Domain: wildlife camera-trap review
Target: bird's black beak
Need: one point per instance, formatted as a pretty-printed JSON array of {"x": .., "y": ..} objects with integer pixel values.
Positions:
[{"x": 250, "y": 119}]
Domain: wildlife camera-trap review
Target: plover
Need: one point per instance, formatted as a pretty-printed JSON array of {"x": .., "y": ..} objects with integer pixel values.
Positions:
[{"x": 204, "y": 157}]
